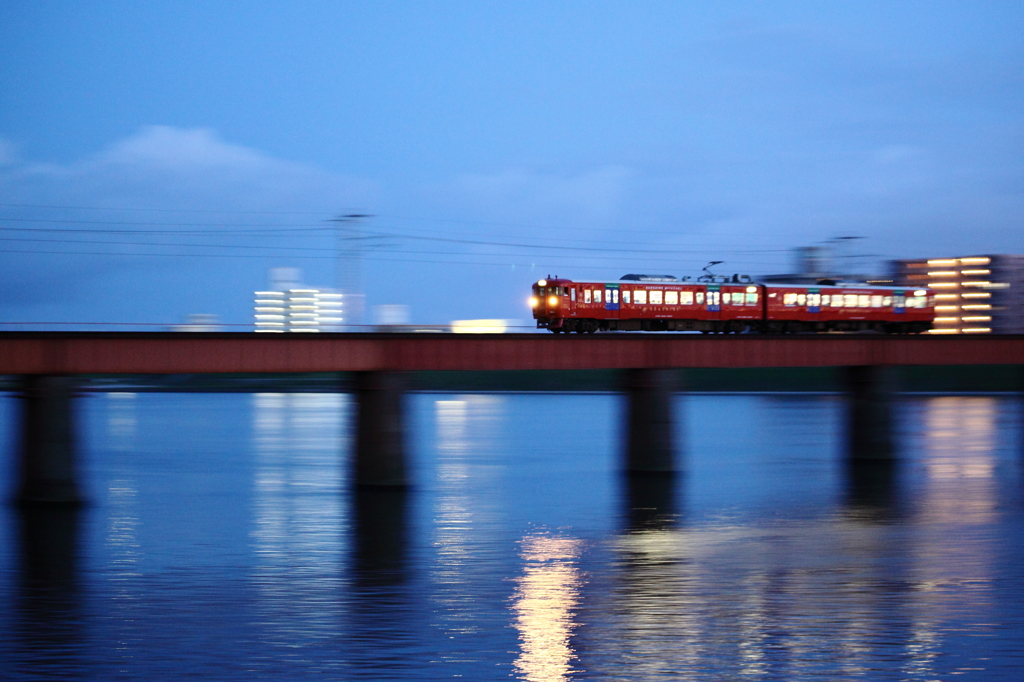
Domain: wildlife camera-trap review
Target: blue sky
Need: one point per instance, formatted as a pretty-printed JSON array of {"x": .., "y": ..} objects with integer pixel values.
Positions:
[{"x": 149, "y": 150}]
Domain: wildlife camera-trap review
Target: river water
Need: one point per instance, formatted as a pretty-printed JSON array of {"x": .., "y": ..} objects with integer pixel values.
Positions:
[{"x": 223, "y": 542}]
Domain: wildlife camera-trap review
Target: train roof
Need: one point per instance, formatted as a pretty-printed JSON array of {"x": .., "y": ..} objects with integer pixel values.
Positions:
[{"x": 668, "y": 279}]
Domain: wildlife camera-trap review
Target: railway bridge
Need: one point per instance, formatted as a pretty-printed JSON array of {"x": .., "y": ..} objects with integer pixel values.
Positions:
[{"x": 46, "y": 369}]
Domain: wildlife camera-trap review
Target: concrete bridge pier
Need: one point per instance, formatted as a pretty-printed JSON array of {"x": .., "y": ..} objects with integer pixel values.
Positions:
[
  {"x": 380, "y": 456},
  {"x": 869, "y": 412},
  {"x": 650, "y": 432},
  {"x": 49, "y": 447}
]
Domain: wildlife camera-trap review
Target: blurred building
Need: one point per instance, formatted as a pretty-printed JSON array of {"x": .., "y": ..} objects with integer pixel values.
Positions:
[
  {"x": 830, "y": 260},
  {"x": 199, "y": 322},
  {"x": 973, "y": 294},
  {"x": 288, "y": 306}
]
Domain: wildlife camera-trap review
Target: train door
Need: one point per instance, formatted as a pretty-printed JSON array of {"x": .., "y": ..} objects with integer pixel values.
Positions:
[
  {"x": 899, "y": 302},
  {"x": 713, "y": 302},
  {"x": 611, "y": 300},
  {"x": 814, "y": 300}
]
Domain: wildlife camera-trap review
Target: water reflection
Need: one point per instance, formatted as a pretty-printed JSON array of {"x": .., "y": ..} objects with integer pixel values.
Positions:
[
  {"x": 650, "y": 501},
  {"x": 466, "y": 427},
  {"x": 48, "y": 600},
  {"x": 873, "y": 491},
  {"x": 380, "y": 537},
  {"x": 297, "y": 510},
  {"x": 960, "y": 462},
  {"x": 544, "y": 607}
]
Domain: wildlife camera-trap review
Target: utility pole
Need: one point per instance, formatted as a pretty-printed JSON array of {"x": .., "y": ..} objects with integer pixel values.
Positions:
[{"x": 348, "y": 267}]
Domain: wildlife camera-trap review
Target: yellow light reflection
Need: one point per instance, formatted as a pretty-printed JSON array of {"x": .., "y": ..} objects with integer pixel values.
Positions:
[
  {"x": 544, "y": 603},
  {"x": 960, "y": 462},
  {"x": 975, "y": 261},
  {"x": 943, "y": 262}
]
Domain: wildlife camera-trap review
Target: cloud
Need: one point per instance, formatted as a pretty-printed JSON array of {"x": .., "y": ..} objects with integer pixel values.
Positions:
[
  {"x": 167, "y": 167},
  {"x": 85, "y": 258}
]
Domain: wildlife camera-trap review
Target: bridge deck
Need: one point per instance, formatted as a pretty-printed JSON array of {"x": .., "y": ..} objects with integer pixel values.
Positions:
[{"x": 215, "y": 353}]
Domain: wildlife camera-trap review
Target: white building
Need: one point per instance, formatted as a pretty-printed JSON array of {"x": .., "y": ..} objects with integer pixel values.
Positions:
[{"x": 291, "y": 307}]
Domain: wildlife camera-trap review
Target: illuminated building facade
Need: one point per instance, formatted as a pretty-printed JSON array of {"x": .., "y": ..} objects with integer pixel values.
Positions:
[
  {"x": 973, "y": 294},
  {"x": 298, "y": 310}
]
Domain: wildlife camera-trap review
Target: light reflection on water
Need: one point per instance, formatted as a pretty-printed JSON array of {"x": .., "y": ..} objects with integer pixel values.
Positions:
[
  {"x": 224, "y": 540},
  {"x": 297, "y": 507},
  {"x": 544, "y": 607}
]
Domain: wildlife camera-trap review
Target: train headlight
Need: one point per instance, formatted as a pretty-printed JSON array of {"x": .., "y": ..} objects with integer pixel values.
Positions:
[
  {"x": 552, "y": 301},
  {"x": 542, "y": 282},
  {"x": 534, "y": 301}
]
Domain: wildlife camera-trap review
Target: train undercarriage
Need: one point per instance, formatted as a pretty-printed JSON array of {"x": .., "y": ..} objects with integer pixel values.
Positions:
[{"x": 590, "y": 326}]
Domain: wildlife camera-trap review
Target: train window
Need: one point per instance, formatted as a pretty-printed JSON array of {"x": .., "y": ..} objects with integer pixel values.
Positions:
[
  {"x": 586, "y": 295},
  {"x": 613, "y": 295},
  {"x": 876, "y": 301},
  {"x": 671, "y": 298},
  {"x": 686, "y": 297},
  {"x": 814, "y": 300},
  {"x": 656, "y": 297},
  {"x": 572, "y": 294},
  {"x": 752, "y": 299},
  {"x": 597, "y": 296},
  {"x": 640, "y": 297},
  {"x": 726, "y": 297},
  {"x": 887, "y": 301},
  {"x": 898, "y": 301},
  {"x": 700, "y": 298},
  {"x": 837, "y": 300},
  {"x": 824, "y": 300},
  {"x": 850, "y": 300},
  {"x": 789, "y": 299},
  {"x": 801, "y": 299},
  {"x": 864, "y": 301},
  {"x": 625, "y": 295}
]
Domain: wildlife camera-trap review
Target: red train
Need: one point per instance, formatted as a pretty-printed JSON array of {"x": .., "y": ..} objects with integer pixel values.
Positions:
[{"x": 736, "y": 304}]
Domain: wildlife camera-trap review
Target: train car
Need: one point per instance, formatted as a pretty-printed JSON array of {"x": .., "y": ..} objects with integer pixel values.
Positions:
[{"x": 727, "y": 305}]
